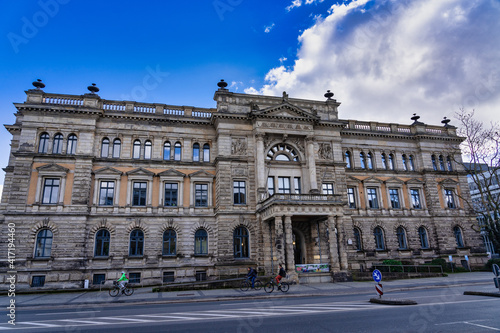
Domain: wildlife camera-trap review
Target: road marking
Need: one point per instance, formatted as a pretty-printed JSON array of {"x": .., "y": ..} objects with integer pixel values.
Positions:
[
  {"x": 171, "y": 317},
  {"x": 88, "y": 322},
  {"x": 62, "y": 313},
  {"x": 470, "y": 323},
  {"x": 217, "y": 315}
]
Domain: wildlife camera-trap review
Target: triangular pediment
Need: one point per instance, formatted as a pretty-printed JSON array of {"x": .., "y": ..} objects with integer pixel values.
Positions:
[
  {"x": 449, "y": 182},
  {"x": 201, "y": 174},
  {"x": 108, "y": 170},
  {"x": 52, "y": 168},
  {"x": 141, "y": 171},
  {"x": 414, "y": 181},
  {"x": 353, "y": 179},
  {"x": 371, "y": 180},
  {"x": 285, "y": 110},
  {"x": 171, "y": 173},
  {"x": 394, "y": 180}
]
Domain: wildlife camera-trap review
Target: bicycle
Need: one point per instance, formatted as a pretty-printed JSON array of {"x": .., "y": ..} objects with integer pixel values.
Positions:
[
  {"x": 116, "y": 290},
  {"x": 269, "y": 287},
  {"x": 247, "y": 284}
]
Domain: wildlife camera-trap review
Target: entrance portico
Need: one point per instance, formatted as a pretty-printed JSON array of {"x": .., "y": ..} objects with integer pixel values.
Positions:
[{"x": 303, "y": 229}]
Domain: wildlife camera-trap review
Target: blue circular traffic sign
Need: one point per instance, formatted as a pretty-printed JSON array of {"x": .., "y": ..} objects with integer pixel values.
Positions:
[{"x": 377, "y": 276}]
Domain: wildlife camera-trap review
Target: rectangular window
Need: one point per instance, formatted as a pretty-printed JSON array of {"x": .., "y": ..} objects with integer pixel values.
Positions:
[
  {"x": 98, "y": 279},
  {"x": 327, "y": 188},
  {"x": 38, "y": 281},
  {"x": 351, "y": 197},
  {"x": 270, "y": 185},
  {"x": 106, "y": 193},
  {"x": 284, "y": 185},
  {"x": 201, "y": 195},
  {"x": 50, "y": 191},
  {"x": 450, "y": 200},
  {"x": 415, "y": 198},
  {"x": 201, "y": 275},
  {"x": 139, "y": 194},
  {"x": 394, "y": 195},
  {"x": 134, "y": 278},
  {"x": 171, "y": 192},
  {"x": 239, "y": 193},
  {"x": 296, "y": 184},
  {"x": 372, "y": 197},
  {"x": 168, "y": 277}
]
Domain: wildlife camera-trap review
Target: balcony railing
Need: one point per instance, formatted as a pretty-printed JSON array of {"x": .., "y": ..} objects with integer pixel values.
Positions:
[{"x": 301, "y": 198}]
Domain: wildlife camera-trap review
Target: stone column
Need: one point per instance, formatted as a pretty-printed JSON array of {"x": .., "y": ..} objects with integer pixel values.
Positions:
[
  {"x": 311, "y": 162},
  {"x": 290, "y": 258},
  {"x": 260, "y": 166},
  {"x": 332, "y": 237},
  {"x": 279, "y": 240},
  {"x": 341, "y": 244}
]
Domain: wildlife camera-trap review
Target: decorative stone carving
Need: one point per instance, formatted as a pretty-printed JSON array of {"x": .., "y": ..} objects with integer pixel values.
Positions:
[
  {"x": 239, "y": 146},
  {"x": 325, "y": 151}
]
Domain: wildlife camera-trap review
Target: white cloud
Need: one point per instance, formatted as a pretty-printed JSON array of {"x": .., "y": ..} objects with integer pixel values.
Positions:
[
  {"x": 298, "y": 3},
  {"x": 396, "y": 58},
  {"x": 268, "y": 28}
]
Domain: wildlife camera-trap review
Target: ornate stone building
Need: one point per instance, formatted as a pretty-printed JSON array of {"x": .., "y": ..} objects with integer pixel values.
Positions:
[{"x": 173, "y": 193}]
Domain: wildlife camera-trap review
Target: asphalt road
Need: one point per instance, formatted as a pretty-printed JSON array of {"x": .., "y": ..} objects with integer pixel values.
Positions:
[{"x": 438, "y": 310}]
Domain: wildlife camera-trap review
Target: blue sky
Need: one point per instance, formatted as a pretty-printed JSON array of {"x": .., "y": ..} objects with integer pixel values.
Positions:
[{"x": 383, "y": 59}]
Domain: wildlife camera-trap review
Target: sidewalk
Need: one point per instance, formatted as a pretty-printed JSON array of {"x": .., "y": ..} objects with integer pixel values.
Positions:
[{"x": 145, "y": 295}]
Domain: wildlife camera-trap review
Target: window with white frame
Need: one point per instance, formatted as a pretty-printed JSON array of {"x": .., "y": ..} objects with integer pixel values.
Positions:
[
  {"x": 177, "y": 151},
  {"x": 196, "y": 152},
  {"x": 106, "y": 187},
  {"x": 104, "y": 147},
  {"x": 71, "y": 145},
  {"x": 136, "y": 150},
  {"x": 372, "y": 197},
  {"x": 206, "y": 152},
  {"x": 450, "y": 199},
  {"x": 297, "y": 188},
  {"x": 106, "y": 193},
  {"x": 201, "y": 189},
  {"x": 284, "y": 185},
  {"x": 43, "y": 144},
  {"x": 50, "y": 194},
  {"x": 239, "y": 192},
  {"x": 394, "y": 197},
  {"x": 351, "y": 197},
  {"x": 415, "y": 198},
  {"x": 51, "y": 184},
  {"x": 201, "y": 195},
  {"x": 327, "y": 188},
  {"x": 166, "y": 151},
  {"x": 148, "y": 147}
]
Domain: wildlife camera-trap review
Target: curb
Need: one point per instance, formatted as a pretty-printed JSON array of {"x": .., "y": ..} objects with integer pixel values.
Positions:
[
  {"x": 480, "y": 293},
  {"x": 392, "y": 301}
]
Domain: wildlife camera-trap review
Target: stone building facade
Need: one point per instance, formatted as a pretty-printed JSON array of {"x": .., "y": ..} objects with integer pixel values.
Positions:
[{"x": 171, "y": 193}]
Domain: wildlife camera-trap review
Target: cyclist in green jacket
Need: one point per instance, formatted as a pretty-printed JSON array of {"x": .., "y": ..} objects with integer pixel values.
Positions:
[{"x": 123, "y": 280}]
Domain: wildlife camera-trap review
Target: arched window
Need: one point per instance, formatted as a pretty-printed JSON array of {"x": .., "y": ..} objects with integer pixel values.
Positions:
[
  {"x": 201, "y": 242},
  {"x": 206, "y": 152},
  {"x": 136, "y": 151},
  {"x": 348, "y": 159},
  {"x": 177, "y": 151},
  {"x": 166, "y": 151},
  {"x": 43, "y": 146},
  {"x": 43, "y": 243},
  {"x": 282, "y": 152},
  {"x": 411, "y": 163},
  {"x": 391, "y": 162},
  {"x": 441, "y": 163},
  {"x": 405, "y": 162},
  {"x": 424, "y": 241},
  {"x": 362, "y": 162},
  {"x": 117, "y": 147},
  {"x": 136, "y": 243},
  {"x": 57, "y": 144},
  {"x": 401, "y": 234},
  {"x": 379, "y": 238},
  {"x": 448, "y": 161},
  {"x": 148, "y": 146},
  {"x": 71, "y": 147},
  {"x": 357, "y": 239},
  {"x": 240, "y": 241},
  {"x": 458, "y": 236},
  {"x": 384, "y": 161},
  {"x": 196, "y": 152},
  {"x": 102, "y": 239},
  {"x": 369, "y": 161},
  {"x": 169, "y": 242},
  {"x": 434, "y": 165},
  {"x": 105, "y": 147}
]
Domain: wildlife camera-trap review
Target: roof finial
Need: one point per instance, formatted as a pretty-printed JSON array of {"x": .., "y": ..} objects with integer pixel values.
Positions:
[
  {"x": 38, "y": 84},
  {"x": 445, "y": 121},
  {"x": 328, "y": 95},
  {"x": 93, "y": 88},
  {"x": 285, "y": 96},
  {"x": 222, "y": 84}
]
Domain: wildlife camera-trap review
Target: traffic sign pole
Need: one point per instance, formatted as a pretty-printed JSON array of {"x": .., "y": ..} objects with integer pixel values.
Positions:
[{"x": 379, "y": 289}]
